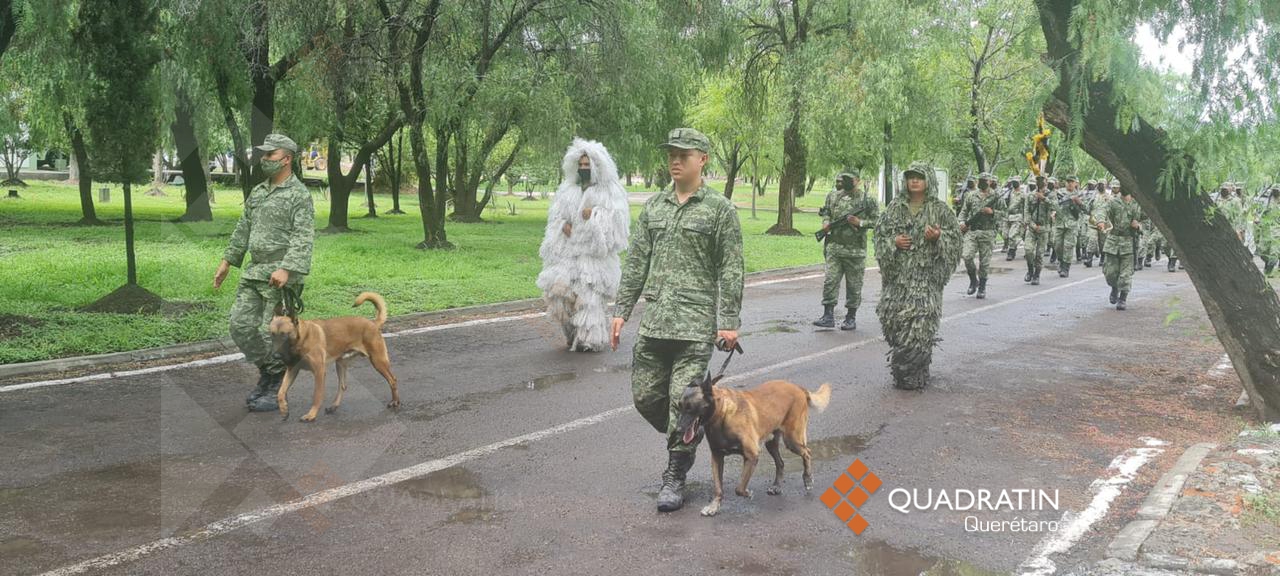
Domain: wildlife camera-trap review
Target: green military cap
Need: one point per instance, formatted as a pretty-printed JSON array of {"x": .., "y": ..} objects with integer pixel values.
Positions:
[
  {"x": 1051, "y": 180},
  {"x": 1072, "y": 178},
  {"x": 851, "y": 172},
  {"x": 278, "y": 141},
  {"x": 917, "y": 168},
  {"x": 688, "y": 139},
  {"x": 1015, "y": 179},
  {"x": 986, "y": 176}
]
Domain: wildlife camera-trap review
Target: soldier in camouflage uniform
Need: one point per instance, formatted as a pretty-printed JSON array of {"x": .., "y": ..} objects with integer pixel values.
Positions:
[
  {"x": 1268, "y": 230},
  {"x": 1121, "y": 224},
  {"x": 978, "y": 217},
  {"x": 845, "y": 247},
  {"x": 1231, "y": 208},
  {"x": 685, "y": 260},
  {"x": 1083, "y": 229},
  {"x": 1066, "y": 221},
  {"x": 1014, "y": 198},
  {"x": 1097, "y": 213},
  {"x": 276, "y": 230},
  {"x": 917, "y": 246},
  {"x": 1036, "y": 221}
]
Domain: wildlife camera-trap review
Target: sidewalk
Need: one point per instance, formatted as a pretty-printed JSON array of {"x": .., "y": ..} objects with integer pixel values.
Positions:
[{"x": 1216, "y": 512}]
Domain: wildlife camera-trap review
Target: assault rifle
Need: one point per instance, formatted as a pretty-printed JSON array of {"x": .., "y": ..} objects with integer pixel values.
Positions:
[{"x": 823, "y": 234}]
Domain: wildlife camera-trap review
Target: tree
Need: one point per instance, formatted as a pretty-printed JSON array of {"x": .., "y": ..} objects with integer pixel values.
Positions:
[
  {"x": 15, "y": 133},
  {"x": 9, "y": 14},
  {"x": 1096, "y": 101},
  {"x": 118, "y": 40}
]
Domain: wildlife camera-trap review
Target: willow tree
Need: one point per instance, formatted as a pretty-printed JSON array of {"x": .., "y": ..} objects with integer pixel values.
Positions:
[{"x": 1102, "y": 99}]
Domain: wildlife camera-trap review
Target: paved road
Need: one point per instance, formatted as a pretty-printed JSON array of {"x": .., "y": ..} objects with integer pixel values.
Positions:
[{"x": 511, "y": 456}]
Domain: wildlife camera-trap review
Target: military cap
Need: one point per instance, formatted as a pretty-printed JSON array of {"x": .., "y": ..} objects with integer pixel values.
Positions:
[
  {"x": 1051, "y": 180},
  {"x": 1015, "y": 178},
  {"x": 917, "y": 168},
  {"x": 851, "y": 172},
  {"x": 687, "y": 139},
  {"x": 986, "y": 176},
  {"x": 1072, "y": 178},
  {"x": 278, "y": 142}
]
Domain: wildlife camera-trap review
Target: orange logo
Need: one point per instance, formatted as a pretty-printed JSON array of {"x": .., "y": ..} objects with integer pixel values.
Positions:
[{"x": 849, "y": 492}]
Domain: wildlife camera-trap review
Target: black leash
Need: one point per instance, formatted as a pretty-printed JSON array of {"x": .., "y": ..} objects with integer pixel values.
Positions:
[
  {"x": 737, "y": 347},
  {"x": 292, "y": 297}
]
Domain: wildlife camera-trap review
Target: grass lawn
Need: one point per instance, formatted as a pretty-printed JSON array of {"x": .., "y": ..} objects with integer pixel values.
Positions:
[{"x": 49, "y": 267}]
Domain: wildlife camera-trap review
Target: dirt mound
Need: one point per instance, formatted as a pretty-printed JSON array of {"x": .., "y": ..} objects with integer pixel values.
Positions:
[
  {"x": 13, "y": 325},
  {"x": 128, "y": 299}
]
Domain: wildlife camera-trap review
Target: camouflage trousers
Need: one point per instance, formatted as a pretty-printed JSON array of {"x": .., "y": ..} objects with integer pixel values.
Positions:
[
  {"x": 978, "y": 243},
  {"x": 250, "y": 316},
  {"x": 1036, "y": 244},
  {"x": 660, "y": 369},
  {"x": 1118, "y": 271},
  {"x": 1064, "y": 243},
  {"x": 1012, "y": 233},
  {"x": 1096, "y": 239},
  {"x": 851, "y": 269}
]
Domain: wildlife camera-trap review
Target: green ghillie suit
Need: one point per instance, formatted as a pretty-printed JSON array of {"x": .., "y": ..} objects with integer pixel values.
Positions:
[{"x": 910, "y": 307}]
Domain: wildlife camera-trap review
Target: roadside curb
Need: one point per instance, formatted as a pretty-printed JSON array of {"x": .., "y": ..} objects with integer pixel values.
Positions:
[
  {"x": 1157, "y": 504},
  {"x": 226, "y": 346}
]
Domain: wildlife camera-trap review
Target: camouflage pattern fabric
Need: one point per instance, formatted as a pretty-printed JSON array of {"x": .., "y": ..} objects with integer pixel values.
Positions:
[
  {"x": 660, "y": 369},
  {"x": 846, "y": 248},
  {"x": 1119, "y": 247},
  {"x": 1066, "y": 224},
  {"x": 685, "y": 260},
  {"x": 1012, "y": 230},
  {"x": 251, "y": 313},
  {"x": 1036, "y": 213},
  {"x": 1268, "y": 232},
  {"x": 980, "y": 240},
  {"x": 910, "y": 306}
]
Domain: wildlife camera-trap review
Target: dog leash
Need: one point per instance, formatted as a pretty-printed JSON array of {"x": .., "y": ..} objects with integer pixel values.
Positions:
[
  {"x": 737, "y": 347},
  {"x": 292, "y": 297}
]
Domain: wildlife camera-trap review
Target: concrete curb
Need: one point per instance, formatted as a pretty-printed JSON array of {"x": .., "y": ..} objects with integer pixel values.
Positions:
[
  {"x": 1157, "y": 504},
  {"x": 226, "y": 346}
]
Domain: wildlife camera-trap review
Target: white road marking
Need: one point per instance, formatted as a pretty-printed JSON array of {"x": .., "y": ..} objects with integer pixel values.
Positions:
[
  {"x": 1221, "y": 368},
  {"x": 1074, "y": 525},
  {"x": 238, "y": 356},
  {"x": 418, "y": 470}
]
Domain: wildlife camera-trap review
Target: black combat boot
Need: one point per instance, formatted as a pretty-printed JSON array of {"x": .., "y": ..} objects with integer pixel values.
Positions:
[
  {"x": 1102, "y": 259},
  {"x": 828, "y": 319},
  {"x": 982, "y": 288},
  {"x": 1115, "y": 294},
  {"x": 671, "y": 497},
  {"x": 1147, "y": 263},
  {"x": 260, "y": 389},
  {"x": 1137, "y": 264},
  {"x": 1088, "y": 260},
  {"x": 1030, "y": 272},
  {"x": 1120, "y": 304},
  {"x": 1064, "y": 270},
  {"x": 850, "y": 320},
  {"x": 1035, "y": 276},
  {"x": 973, "y": 279},
  {"x": 1157, "y": 252},
  {"x": 1173, "y": 262},
  {"x": 267, "y": 402}
]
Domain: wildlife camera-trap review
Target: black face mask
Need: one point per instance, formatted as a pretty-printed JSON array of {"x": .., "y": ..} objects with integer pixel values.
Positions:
[
  {"x": 982, "y": 185},
  {"x": 846, "y": 184},
  {"x": 584, "y": 175}
]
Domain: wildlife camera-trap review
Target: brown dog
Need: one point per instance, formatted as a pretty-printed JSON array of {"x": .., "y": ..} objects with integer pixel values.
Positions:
[
  {"x": 736, "y": 421},
  {"x": 312, "y": 344}
]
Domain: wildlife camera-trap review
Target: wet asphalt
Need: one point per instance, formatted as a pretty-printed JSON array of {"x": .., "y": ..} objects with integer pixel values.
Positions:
[{"x": 96, "y": 468}]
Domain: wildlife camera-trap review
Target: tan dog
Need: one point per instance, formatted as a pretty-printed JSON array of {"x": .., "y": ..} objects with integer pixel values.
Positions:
[
  {"x": 313, "y": 344},
  {"x": 736, "y": 421}
]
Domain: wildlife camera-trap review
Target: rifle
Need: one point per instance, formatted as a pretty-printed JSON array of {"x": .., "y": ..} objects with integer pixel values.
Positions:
[
  {"x": 973, "y": 219},
  {"x": 822, "y": 234}
]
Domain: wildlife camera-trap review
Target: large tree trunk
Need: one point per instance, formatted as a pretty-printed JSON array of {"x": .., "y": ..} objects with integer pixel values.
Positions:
[
  {"x": 396, "y": 160},
  {"x": 157, "y": 174},
  {"x": 240, "y": 161},
  {"x": 196, "y": 187},
  {"x": 731, "y": 170},
  {"x": 8, "y": 24},
  {"x": 464, "y": 196},
  {"x": 339, "y": 188},
  {"x": 131, "y": 261},
  {"x": 89, "y": 214},
  {"x": 793, "y": 169},
  {"x": 1243, "y": 308},
  {"x": 497, "y": 176}
]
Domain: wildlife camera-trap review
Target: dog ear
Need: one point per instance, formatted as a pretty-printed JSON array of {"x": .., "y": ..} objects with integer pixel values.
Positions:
[
  {"x": 279, "y": 310},
  {"x": 716, "y": 380},
  {"x": 706, "y": 384}
]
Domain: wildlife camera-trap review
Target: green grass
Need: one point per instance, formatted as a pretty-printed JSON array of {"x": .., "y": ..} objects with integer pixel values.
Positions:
[{"x": 50, "y": 267}]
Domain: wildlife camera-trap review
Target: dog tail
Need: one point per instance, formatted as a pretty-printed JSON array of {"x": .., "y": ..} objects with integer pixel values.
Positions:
[
  {"x": 820, "y": 398},
  {"x": 378, "y": 303}
]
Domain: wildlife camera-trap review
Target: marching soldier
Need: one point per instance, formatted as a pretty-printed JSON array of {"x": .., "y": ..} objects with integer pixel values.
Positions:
[
  {"x": 846, "y": 217},
  {"x": 1122, "y": 226},
  {"x": 1014, "y": 198},
  {"x": 978, "y": 217},
  {"x": 1066, "y": 222},
  {"x": 1036, "y": 221}
]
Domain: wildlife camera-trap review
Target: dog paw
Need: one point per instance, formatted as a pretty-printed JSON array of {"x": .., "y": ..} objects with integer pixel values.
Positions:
[
  {"x": 711, "y": 509},
  {"x": 775, "y": 490},
  {"x": 308, "y": 418},
  {"x": 393, "y": 404},
  {"x": 331, "y": 410},
  {"x": 743, "y": 493}
]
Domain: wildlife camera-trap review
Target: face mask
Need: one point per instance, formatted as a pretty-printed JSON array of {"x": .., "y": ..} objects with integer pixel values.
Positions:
[
  {"x": 584, "y": 175},
  {"x": 982, "y": 185},
  {"x": 271, "y": 167}
]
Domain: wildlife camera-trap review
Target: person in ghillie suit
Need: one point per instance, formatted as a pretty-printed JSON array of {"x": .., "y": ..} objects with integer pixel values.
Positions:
[{"x": 918, "y": 246}]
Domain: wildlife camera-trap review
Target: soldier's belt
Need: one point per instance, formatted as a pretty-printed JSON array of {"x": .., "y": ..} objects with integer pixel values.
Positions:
[{"x": 268, "y": 256}]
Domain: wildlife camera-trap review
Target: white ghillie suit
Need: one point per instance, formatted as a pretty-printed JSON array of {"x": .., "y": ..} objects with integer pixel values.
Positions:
[{"x": 581, "y": 272}]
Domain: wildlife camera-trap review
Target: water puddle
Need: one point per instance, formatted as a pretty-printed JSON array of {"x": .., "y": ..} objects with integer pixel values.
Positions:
[
  {"x": 545, "y": 382},
  {"x": 451, "y": 483},
  {"x": 473, "y": 515},
  {"x": 880, "y": 559},
  {"x": 612, "y": 368}
]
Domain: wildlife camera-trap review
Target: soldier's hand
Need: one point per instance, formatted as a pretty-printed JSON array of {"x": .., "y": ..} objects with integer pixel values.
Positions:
[
  {"x": 964, "y": 228},
  {"x": 567, "y": 229},
  {"x": 726, "y": 339},
  {"x": 586, "y": 213},
  {"x": 1040, "y": 196},
  {"x": 903, "y": 242},
  {"x": 221, "y": 274},
  {"x": 1135, "y": 225},
  {"x": 1102, "y": 226},
  {"x": 279, "y": 278},
  {"x": 615, "y": 332},
  {"x": 826, "y": 226},
  {"x": 988, "y": 211},
  {"x": 932, "y": 233},
  {"x": 855, "y": 221}
]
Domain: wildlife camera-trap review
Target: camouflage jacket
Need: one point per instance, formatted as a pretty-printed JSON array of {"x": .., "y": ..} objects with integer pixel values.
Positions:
[
  {"x": 1119, "y": 214},
  {"x": 1038, "y": 212},
  {"x": 685, "y": 260},
  {"x": 276, "y": 230},
  {"x": 852, "y": 241},
  {"x": 930, "y": 262},
  {"x": 1067, "y": 214},
  {"x": 974, "y": 203},
  {"x": 1015, "y": 205}
]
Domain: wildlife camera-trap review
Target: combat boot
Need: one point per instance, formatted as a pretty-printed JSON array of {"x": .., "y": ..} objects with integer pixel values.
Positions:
[
  {"x": 1173, "y": 262},
  {"x": 1102, "y": 259},
  {"x": 828, "y": 319},
  {"x": 267, "y": 402},
  {"x": 1120, "y": 304},
  {"x": 973, "y": 280},
  {"x": 850, "y": 320},
  {"x": 1268, "y": 266},
  {"x": 1013, "y": 253},
  {"x": 1115, "y": 294},
  {"x": 1030, "y": 273},
  {"x": 1147, "y": 263},
  {"x": 982, "y": 288},
  {"x": 1035, "y": 276},
  {"x": 1064, "y": 270},
  {"x": 259, "y": 389},
  {"x": 671, "y": 496}
]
